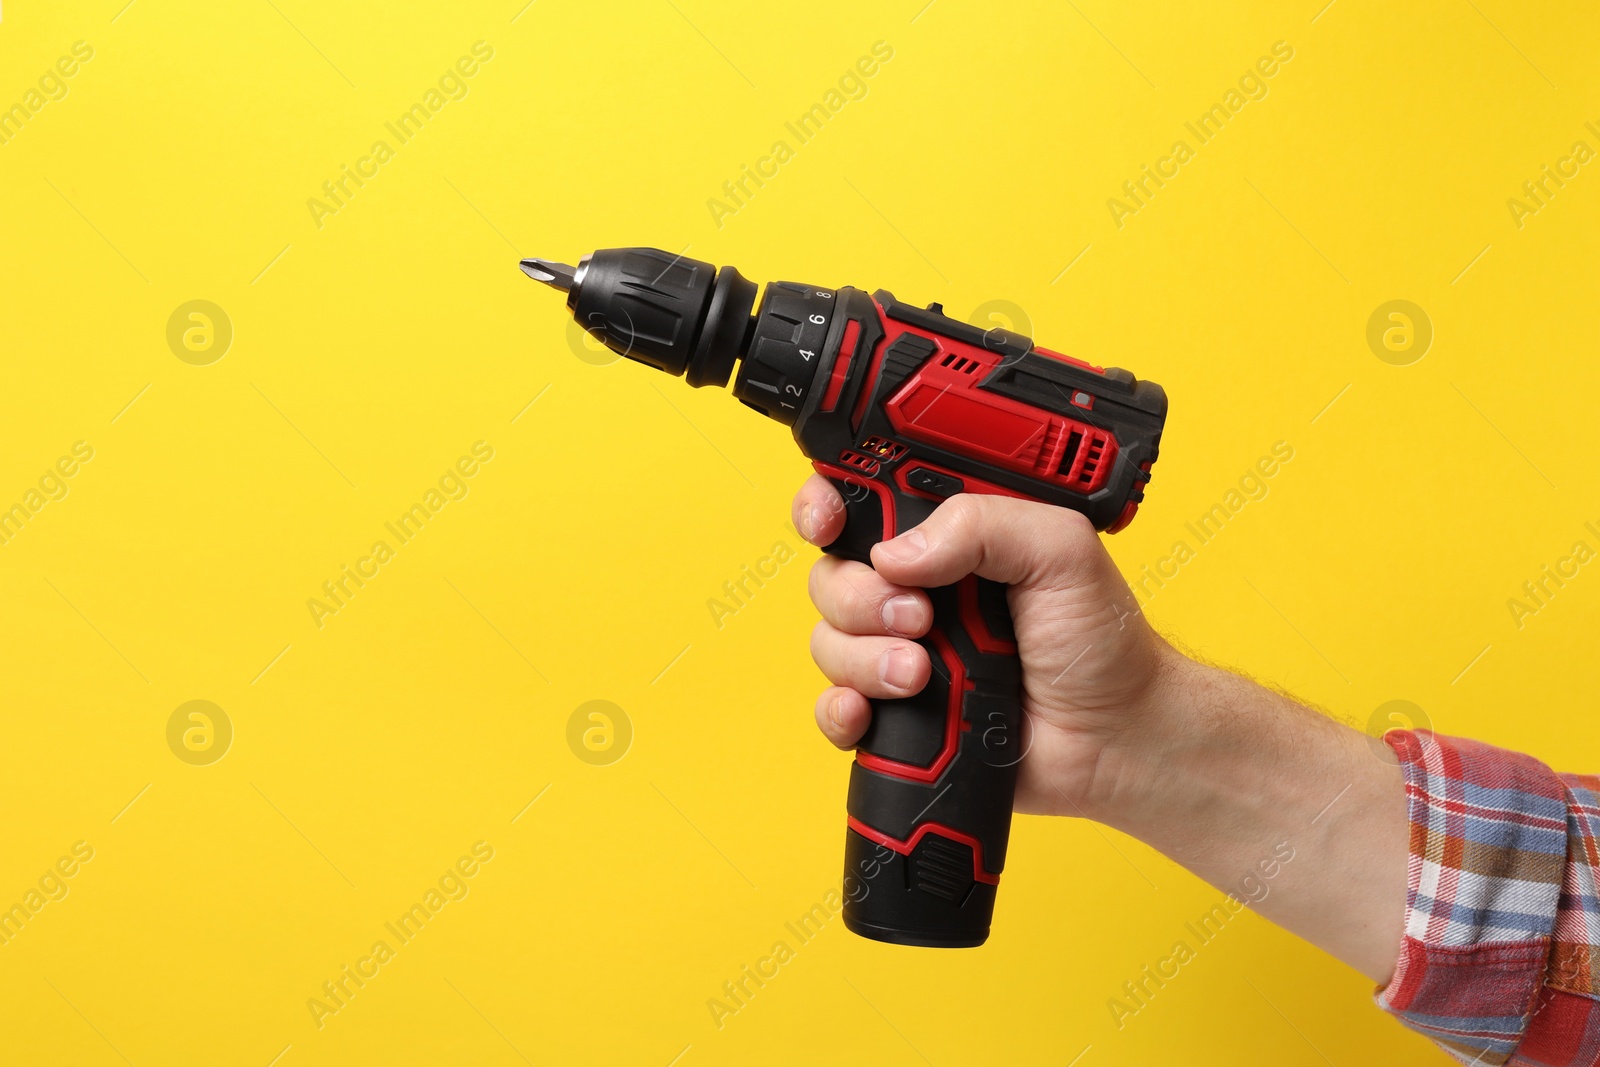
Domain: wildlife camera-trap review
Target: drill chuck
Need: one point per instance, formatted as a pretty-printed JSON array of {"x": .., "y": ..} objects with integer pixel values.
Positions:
[
  {"x": 678, "y": 315},
  {"x": 687, "y": 318}
]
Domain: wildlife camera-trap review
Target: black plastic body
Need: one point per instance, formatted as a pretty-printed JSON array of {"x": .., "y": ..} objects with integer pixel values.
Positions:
[
  {"x": 936, "y": 890},
  {"x": 902, "y": 407},
  {"x": 923, "y": 852}
]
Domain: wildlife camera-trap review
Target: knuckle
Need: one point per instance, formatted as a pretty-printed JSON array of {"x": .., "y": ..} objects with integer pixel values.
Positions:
[
  {"x": 1076, "y": 528},
  {"x": 819, "y": 641},
  {"x": 821, "y": 493},
  {"x": 863, "y": 658},
  {"x": 961, "y": 515},
  {"x": 859, "y": 602},
  {"x": 1078, "y": 541},
  {"x": 817, "y": 578}
]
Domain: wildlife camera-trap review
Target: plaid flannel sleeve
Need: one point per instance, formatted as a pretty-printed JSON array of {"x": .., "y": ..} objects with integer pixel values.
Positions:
[{"x": 1501, "y": 958}]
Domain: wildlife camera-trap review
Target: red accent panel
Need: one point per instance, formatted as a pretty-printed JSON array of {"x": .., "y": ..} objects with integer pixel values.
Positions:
[
  {"x": 933, "y": 409},
  {"x": 871, "y": 380},
  {"x": 972, "y": 619},
  {"x": 841, "y": 364},
  {"x": 1069, "y": 359},
  {"x": 1131, "y": 507},
  {"x": 954, "y": 726},
  {"x": 885, "y": 497},
  {"x": 905, "y": 847},
  {"x": 942, "y": 404}
]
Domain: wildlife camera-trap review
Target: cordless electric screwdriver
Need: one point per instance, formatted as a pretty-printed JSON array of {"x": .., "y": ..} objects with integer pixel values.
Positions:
[{"x": 900, "y": 408}]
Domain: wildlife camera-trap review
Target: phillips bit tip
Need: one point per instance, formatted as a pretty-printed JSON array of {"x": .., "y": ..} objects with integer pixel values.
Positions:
[{"x": 556, "y": 275}]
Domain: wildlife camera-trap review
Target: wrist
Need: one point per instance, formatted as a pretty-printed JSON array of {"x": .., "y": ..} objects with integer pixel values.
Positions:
[
  {"x": 1135, "y": 768},
  {"x": 1212, "y": 755},
  {"x": 1222, "y": 776}
]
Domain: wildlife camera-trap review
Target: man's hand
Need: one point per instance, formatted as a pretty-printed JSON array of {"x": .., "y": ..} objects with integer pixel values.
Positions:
[
  {"x": 1090, "y": 662},
  {"x": 1216, "y": 772}
]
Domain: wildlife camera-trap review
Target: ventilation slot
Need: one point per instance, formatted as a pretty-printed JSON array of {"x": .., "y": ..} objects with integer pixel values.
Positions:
[
  {"x": 856, "y": 461},
  {"x": 883, "y": 448},
  {"x": 1069, "y": 455},
  {"x": 1092, "y": 454},
  {"x": 1086, "y": 450},
  {"x": 959, "y": 363}
]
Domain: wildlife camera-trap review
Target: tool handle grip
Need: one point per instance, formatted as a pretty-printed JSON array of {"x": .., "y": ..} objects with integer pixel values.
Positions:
[{"x": 932, "y": 785}]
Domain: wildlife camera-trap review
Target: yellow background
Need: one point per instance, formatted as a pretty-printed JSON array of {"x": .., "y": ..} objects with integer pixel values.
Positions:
[{"x": 371, "y": 352}]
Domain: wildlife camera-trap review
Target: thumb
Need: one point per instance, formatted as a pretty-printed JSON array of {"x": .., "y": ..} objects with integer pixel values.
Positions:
[{"x": 1011, "y": 541}]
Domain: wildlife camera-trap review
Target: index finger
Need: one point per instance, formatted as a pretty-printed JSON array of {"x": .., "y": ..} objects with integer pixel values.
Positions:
[{"x": 818, "y": 511}]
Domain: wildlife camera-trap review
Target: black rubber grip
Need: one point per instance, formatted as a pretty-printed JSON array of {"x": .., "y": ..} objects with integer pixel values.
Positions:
[{"x": 935, "y": 775}]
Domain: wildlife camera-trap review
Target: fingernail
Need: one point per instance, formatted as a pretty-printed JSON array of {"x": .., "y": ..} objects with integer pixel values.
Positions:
[
  {"x": 896, "y": 668},
  {"x": 901, "y": 613},
  {"x": 906, "y": 547},
  {"x": 808, "y": 522},
  {"x": 836, "y": 711}
]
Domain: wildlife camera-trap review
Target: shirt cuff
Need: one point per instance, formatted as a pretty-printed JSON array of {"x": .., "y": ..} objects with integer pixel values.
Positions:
[{"x": 1488, "y": 850}]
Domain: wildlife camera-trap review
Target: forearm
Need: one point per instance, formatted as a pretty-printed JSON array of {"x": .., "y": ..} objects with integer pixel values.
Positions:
[
  {"x": 1459, "y": 876},
  {"x": 1222, "y": 773}
]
